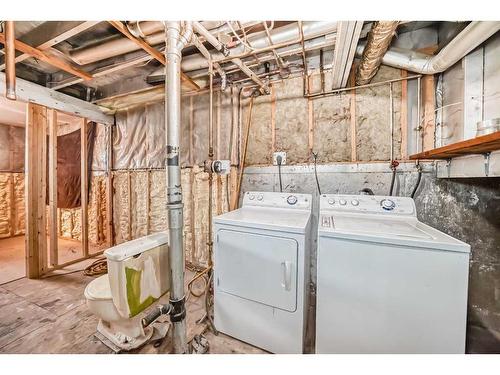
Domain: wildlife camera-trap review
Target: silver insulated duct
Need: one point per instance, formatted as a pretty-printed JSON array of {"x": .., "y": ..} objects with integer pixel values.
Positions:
[{"x": 472, "y": 36}]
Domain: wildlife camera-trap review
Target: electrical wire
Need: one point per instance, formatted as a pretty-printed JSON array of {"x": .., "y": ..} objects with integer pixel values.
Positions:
[
  {"x": 98, "y": 267},
  {"x": 315, "y": 156},
  {"x": 279, "y": 161},
  {"x": 419, "y": 178}
]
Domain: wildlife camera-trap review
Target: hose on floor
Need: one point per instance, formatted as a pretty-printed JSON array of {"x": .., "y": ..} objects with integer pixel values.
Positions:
[{"x": 98, "y": 267}]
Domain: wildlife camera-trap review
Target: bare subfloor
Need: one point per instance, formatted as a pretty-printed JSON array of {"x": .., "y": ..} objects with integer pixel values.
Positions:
[
  {"x": 12, "y": 256},
  {"x": 50, "y": 316}
]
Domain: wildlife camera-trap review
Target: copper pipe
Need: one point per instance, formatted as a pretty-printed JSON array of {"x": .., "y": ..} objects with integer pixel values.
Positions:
[{"x": 10, "y": 61}]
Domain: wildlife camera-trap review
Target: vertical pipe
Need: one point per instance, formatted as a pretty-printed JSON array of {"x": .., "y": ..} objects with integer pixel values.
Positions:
[
  {"x": 391, "y": 120},
  {"x": 174, "y": 190},
  {"x": 10, "y": 61},
  {"x": 210, "y": 157},
  {"x": 417, "y": 130}
]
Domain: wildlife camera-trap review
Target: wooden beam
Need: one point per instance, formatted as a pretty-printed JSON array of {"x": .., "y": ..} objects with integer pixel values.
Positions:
[
  {"x": 84, "y": 186},
  {"x": 35, "y": 174},
  {"x": 52, "y": 122},
  {"x": 236, "y": 198},
  {"x": 31, "y": 92},
  {"x": 43, "y": 56},
  {"x": 352, "y": 110},
  {"x": 50, "y": 33},
  {"x": 429, "y": 106},
  {"x": 152, "y": 51},
  {"x": 404, "y": 116}
]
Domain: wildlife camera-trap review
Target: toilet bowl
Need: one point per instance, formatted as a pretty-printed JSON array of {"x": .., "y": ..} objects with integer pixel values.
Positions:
[{"x": 138, "y": 275}]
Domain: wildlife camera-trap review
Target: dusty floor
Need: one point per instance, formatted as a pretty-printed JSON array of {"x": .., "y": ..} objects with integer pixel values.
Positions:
[
  {"x": 50, "y": 316},
  {"x": 12, "y": 262}
]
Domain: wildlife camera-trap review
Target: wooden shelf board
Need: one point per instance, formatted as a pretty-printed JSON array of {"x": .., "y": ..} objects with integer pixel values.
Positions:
[{"x": 478, "y": 145}]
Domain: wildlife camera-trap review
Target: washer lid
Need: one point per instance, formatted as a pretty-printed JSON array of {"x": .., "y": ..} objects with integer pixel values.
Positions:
[
  {"x": 388, "y": 230},
  {"x": 287, "y": 220}
]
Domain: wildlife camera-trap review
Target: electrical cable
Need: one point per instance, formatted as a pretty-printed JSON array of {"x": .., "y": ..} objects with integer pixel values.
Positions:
[
  {"x": 98, "y": 267},
  {"x": 419, "y": 178},
  {"x": 315, "y": 156},
  {"x": 279, "y": 161}
]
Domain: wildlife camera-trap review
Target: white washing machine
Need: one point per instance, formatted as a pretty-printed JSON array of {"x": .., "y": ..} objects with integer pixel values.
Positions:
[
  {"x": 262, "y": 270},
  {"x": 387, "y": 283}
]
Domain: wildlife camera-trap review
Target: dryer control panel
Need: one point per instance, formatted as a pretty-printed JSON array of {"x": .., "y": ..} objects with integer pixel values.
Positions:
[
  {"x": 370, "y": 204},
  {"x": 277, "y": 200}
]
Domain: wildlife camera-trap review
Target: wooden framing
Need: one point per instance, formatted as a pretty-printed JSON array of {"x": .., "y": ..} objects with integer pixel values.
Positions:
[
  {"x": 429, "y": 105},
  {"x": 30, "y": 92},
  {"x": 310, "y": 117},
  {"x": 49, "y": 59},
  {"x": 53, "y": 250},
  {"x": 84, "y": 187},
  {"x": 35, "y": 193},
  {"x": 273, "y": 119},
  {"x": 352, "y": 109},
  {"x": 152, "y": 51},
  {"x": 404, "y": 116}
]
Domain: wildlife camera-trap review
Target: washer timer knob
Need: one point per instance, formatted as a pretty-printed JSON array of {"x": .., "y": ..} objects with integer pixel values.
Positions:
[
  {"x": 343, "y": 202},
  {"x": 331, "y": 201},
  {"x": 387, "y": 204},
  {"x": 355, "y": 202},
  {"x": 292, "y": 199}
]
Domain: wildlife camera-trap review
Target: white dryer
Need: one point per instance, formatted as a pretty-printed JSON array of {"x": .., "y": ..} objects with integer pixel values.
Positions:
[
  {"x": 387, "y": 283},
  {"x": 262, "y": 270}
]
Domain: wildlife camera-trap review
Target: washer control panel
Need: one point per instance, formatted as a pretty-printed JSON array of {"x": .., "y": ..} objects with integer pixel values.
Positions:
[
  {"x": 277, "y": 200},
  {"x": 368, "y": 204}
]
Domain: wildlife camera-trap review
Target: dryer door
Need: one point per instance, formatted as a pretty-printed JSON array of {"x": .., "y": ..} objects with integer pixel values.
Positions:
[{"x": 257, "y": 267}]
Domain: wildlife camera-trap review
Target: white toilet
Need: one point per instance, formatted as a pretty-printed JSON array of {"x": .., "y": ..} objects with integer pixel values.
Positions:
[{"x": 138, "y": 275}]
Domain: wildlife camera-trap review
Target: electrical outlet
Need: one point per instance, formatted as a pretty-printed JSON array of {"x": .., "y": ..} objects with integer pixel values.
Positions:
[{"x": 283, "y": 157}]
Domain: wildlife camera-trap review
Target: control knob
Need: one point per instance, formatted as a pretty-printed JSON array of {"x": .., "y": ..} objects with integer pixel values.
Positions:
[
  {"x": 387, "y": 204},
  {"x": 292, "y": 199}
]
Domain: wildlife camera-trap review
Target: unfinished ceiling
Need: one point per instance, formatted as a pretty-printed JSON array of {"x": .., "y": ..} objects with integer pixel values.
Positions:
[{"x": 103, "y": 62}]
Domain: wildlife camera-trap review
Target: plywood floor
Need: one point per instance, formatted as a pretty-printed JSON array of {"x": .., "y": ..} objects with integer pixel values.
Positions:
[
  {"x": 50, "y": 316},
  {"x": 12, "y": 258}
]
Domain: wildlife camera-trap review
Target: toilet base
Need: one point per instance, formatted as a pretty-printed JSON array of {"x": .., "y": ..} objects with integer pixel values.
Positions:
[{"x": 125, "y": 334}]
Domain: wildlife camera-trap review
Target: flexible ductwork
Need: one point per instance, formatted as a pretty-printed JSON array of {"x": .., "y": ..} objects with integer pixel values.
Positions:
[
  {"x": 378, "y": 41},
  {"x": 258, "y": 40},
  {"x": 472, "y": 36},
  {"x": 151, "y": 31}
]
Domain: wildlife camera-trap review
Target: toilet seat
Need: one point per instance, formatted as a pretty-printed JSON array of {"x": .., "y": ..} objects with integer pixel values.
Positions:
[{"x": 99, "y": 289}]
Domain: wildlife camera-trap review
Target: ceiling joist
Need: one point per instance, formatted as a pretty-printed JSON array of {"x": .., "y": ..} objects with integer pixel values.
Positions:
[
  {"x": 152, "y": 51},
  {"x": 43, "y": 56}
]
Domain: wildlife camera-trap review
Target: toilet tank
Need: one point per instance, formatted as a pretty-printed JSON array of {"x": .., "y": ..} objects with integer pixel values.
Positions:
[{"x": 138, "y": 273}]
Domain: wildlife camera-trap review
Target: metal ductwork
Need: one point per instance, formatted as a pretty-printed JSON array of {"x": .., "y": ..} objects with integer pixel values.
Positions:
[
  {"x": 378, "y": 41},
  {"x": 472, "y": 36},
  {"x": 176, "y": 41},
  {"x": 291, "y": 33},
  {"x": 151, "y": 31}
]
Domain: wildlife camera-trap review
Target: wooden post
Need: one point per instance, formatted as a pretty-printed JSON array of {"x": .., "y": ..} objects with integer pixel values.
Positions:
[
  {"x": 236, "y": 198},
  {"x": 404, "y": 116},
  {"x": 84, "y": 187},
  {"x": 35, "y": 194},
  {"x": 129, "y": 204},
  {"x": 310, "y": 116},
  {"x": 109, "y": 187},
  {"x": 273, "y": 118},
  {"x": 352, "y": 109},
  {"x": 52, "y": 121},
  {"x": 429, "y": 104}
]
